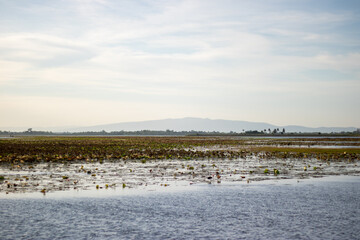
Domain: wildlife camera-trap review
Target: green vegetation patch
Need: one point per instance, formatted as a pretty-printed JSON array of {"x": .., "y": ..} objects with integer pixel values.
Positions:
[{"x": 101, "y": 149}]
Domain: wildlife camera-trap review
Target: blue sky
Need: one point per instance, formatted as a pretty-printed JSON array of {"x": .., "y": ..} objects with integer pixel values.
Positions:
[{"x": 79, "y": 63}]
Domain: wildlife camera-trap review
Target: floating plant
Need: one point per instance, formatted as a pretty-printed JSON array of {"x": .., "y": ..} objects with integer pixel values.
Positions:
[{"x": 112, "y": 158}]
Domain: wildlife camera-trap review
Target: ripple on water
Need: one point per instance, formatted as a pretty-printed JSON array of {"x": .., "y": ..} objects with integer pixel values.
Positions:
[{"x": 313, "y": 209}]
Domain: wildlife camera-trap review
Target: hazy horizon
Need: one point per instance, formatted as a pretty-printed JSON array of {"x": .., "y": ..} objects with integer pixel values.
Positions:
[
  {"x": 185, "y": 124},
  {"x": 84, "y": 63}
]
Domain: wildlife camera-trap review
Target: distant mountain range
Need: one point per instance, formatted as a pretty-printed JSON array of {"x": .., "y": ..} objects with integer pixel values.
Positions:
[{"x": 205, "y": 124}]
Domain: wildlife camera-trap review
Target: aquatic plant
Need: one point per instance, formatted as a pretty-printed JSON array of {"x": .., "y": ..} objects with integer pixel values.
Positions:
[{"x": 29, "y": 150}]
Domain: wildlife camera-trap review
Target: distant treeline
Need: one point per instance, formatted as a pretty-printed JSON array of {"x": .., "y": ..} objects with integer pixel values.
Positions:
[{"x": 30, "y": 132}]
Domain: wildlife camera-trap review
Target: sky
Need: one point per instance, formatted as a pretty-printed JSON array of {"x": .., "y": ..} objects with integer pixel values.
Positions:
[{"x": 89, "y": 62}]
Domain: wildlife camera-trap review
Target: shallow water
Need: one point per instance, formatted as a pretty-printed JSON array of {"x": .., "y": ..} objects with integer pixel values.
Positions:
[
  {"x": 326, "y": 208},
  {"x": 316, "y": 146},
  {"x": 52, "y": 177}
]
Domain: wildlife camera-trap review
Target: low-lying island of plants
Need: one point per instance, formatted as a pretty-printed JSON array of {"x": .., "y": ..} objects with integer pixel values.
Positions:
[{"x": 30, "y": 164}]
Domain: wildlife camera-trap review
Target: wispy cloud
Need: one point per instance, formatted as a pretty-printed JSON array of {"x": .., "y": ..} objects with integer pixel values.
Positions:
[{"x": 158, "y": 54}]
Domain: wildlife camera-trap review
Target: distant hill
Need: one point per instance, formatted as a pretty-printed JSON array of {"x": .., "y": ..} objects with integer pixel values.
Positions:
[{"x": 204, "y": 124}]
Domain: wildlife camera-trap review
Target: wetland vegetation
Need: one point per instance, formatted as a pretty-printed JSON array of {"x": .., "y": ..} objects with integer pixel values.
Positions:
[{"x": 43, "y": 164}]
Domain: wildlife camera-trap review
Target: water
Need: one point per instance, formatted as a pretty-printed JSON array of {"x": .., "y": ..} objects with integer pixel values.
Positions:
[
  {"x": 325, "y": 208},
  {"x": 316, "y": 146}
]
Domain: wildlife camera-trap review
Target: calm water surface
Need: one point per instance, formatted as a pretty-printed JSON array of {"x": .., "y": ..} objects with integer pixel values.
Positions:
[{"x": 327, "y": 208}]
